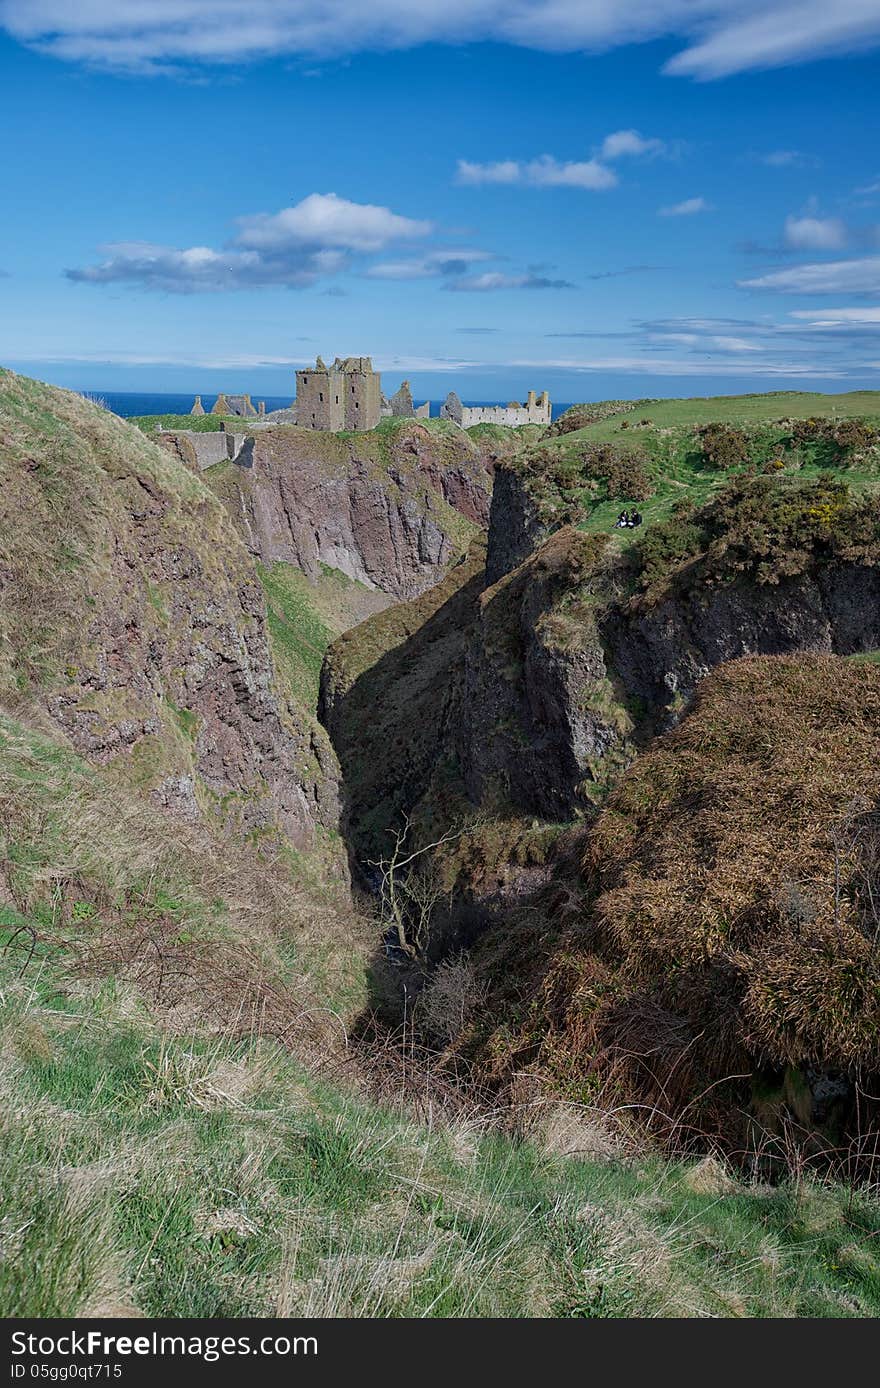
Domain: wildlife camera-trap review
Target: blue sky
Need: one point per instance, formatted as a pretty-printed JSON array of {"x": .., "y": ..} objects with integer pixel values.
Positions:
[{"x": 614, "y": 199}]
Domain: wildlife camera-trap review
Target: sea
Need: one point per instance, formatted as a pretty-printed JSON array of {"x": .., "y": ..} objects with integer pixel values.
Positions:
[{"x": 129, "y": 403}]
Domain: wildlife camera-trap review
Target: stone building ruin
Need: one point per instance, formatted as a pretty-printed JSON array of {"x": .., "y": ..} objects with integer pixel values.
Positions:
[
  {"x": 536, "y": 410},
  {"x": 227, "y": 406},
  {"x": 346, "y": 395}
]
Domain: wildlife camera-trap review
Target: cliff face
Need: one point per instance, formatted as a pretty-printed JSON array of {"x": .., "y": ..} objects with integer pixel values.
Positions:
[
  {"x": 391, "y": 698},
  {"x": 515, "y": 527},
  {"x": 539, "y": 718},
  {"x": 392, "y": 508},
  {"x": 132, "y": 619},
  {"x": 661, "y": 651},
  {"x": 567, "y": 679}
]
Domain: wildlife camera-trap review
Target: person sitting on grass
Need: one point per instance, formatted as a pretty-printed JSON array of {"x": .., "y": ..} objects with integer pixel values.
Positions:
[{"x": 622, "y": 521}]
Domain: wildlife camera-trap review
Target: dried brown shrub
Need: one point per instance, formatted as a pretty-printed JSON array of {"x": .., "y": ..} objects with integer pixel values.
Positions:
[{"x": 730, "y": 918}]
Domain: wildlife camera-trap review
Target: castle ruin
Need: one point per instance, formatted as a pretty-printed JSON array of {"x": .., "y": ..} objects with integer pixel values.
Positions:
[
  {"x": 346, "y": 395},
  {"x": 240, "y": 405},
  {"x": 536, "y": 410}
]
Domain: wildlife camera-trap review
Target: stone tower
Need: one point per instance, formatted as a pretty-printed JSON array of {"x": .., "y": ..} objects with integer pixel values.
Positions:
[
  {"x": 198, "y": 407},
  {"x": 363, "y": 392},
  {"x": 346, "y": 395}
]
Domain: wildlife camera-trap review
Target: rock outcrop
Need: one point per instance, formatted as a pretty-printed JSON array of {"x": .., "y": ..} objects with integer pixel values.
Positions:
[
  {"x": 392, "y": 510},
  {"x": 138, "y": 625},
  {"x": 661, "y": 651},
  {"x": 540, "y": 725},
  {"x": 516, "y": 527}
]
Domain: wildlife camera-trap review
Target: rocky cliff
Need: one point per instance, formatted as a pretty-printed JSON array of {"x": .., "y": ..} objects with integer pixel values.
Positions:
[
  {"x": 391, "y": 508},
  {"x": 583, "y": 651},
  {"x": 539, "y": 717},
  {"x": 133, "y": 621},
  {"x": 516, "y": 526}
]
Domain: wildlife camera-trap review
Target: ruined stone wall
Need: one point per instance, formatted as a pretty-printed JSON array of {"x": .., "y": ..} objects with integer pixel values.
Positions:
[
  {"x": 534, "y": 411},
  {"x": 202, "y": 450}
]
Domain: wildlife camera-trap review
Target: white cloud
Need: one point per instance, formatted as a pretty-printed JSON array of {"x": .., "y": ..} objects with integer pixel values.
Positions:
[
  {"x": 784, "y": 158},
  {"x": 719, "y": 36},
  {"x": 828, "y": 316},
  {"x": 815, "y": 233},
  {"x": 831, "y": 277},
  {"x": 742, "y": 36},
  {"x": 718, "y": 342},
  {"x": 434, "y": 264},
  {"x": 547, "y": 172},
  {"x": 323, "y": 219},
  {"x": 688, "y": 208},
  {"x": 195, "y": 269},
  {"x": 629, "y": 142},
  {"x": 505, "y": 171},
  {"x": 230, "y": 360},
  {"x": 294, "y": 248},
  {"x": 491, "y": 280},
  {"x": 689, "y": 366},
  {"x": 544, "y": 172}
]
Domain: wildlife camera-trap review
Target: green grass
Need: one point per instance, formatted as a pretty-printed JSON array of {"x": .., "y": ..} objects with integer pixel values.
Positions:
[
  {"x": 299, "y": 634},
  {"x": 201, "y": 423},
  {"x": 185, "y": 1176},
  {"x": 739, "y": 409},
  {"x": 669, "y": 448}
]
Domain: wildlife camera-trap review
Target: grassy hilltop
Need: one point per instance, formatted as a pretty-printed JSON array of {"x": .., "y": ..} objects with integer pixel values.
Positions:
[{"x": 597, "y": 459}]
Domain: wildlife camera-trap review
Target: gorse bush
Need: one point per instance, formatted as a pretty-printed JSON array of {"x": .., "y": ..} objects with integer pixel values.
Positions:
[
  {"x": 764, "y": 528},
  {"x": 621, "y": 469},
  {"x": 723, "y": 445},
  {"x": 565, "y": 484},
  {"x": 829, "y": 443}
]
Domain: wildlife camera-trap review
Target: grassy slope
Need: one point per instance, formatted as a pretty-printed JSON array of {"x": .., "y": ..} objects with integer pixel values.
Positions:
[
  {"x": 59, "y": 514},
  {"x": 742, "y": 409},
  {"x": 203, "y": 1171},
  {"x": 305, "y": 617},
  {"x": 672, "y": 460},
  {"x": 200, "y": 423}
]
